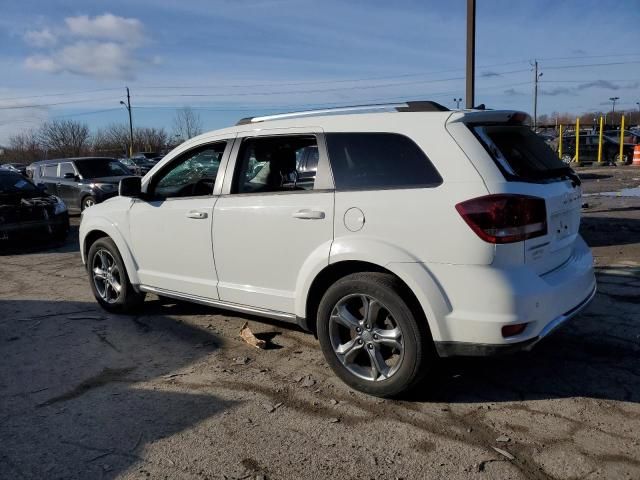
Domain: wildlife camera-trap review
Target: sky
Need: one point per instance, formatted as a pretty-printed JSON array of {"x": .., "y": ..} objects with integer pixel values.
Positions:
[{"x": 227, "y": 59}]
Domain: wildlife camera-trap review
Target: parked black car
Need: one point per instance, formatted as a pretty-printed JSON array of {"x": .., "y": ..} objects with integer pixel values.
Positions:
[
  {"x": 15, "y": 167},
  {"x": 589, "y": 149},
  {"x": 27, "y": 212},
  {"x": 629, "y": 136},
  {"x": 138, "y": 165},
  {"x": 80, "y": 182}
]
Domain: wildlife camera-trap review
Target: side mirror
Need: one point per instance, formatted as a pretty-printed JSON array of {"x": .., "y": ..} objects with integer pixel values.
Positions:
[
  {"x": 69, "y": 175},
  {"x": 130, "y": 187},
  {"x": 42, "y": 187}
]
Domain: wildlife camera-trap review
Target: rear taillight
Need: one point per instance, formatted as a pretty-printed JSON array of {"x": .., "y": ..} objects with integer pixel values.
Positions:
[{"x": 505, "y": 218}]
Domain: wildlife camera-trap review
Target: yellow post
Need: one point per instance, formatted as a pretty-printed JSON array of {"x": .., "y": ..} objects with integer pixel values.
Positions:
[
  {"x": 577, "y": 157},
  {"x": 600, "y": 141},
  {"x": 621, "y": 158},
  {"x": 560, "y": 143}
]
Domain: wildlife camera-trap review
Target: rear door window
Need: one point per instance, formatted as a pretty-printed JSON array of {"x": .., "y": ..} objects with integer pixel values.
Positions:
[
  {"x": 50, "y": 170},
  {"x": 377, "y": 161},
  {"x": 520, "y": 153}
]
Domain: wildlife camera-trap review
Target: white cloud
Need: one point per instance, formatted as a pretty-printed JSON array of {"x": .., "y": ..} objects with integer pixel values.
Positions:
[
  {"x": 104, "y": 46},
  {"x": 96, "y": 59},
  {"x": 41, "y": 38},
  {"x": 108, "y": 27}
]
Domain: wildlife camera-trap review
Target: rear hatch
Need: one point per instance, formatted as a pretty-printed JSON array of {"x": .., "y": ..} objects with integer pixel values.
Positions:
[{"x": 532, "y": 168}]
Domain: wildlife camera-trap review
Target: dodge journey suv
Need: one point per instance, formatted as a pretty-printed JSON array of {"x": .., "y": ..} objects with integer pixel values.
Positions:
[{"x": 395, "y": 233}]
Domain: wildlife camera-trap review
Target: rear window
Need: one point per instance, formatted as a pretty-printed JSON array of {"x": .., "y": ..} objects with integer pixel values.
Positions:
[
  {"x": 519, "y": 152},
  {"x": 378, "y": 160}
]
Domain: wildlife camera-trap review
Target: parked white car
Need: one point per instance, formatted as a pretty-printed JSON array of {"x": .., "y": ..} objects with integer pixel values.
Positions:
[{"x": 394, "y": 233}]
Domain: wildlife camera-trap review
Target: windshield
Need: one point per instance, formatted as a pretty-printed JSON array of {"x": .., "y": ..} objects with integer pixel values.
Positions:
[
  {"x": 101, "y": 167},
  {"x": 519, "y": 152},
  {"x": 12, "y": 182}
]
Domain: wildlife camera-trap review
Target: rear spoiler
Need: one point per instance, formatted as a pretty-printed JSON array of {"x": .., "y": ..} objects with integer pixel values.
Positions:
[{"x": 514, "y": 117}]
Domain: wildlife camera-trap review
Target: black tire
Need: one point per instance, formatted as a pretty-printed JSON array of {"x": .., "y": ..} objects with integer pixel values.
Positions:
[
  {"x": 418, "y": 353},
  {"x": 127, "y": 299},
  {"x": 87, "y": 202}
]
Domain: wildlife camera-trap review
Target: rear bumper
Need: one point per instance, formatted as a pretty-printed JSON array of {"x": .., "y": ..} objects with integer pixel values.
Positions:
[
  {"x": 465, "y": 349},
  {"x": 483, "y": 299}
]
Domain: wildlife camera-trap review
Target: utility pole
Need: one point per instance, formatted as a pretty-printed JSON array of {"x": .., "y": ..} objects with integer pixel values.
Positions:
[
  {"x": 471, "y": 52},
  {"x": 536, "y": 78},
  {"x": 457, "y": 100},
  {"x": 128, "y": 107}
]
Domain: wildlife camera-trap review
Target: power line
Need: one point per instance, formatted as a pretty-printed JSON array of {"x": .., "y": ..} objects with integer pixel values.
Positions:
[
  {"x": 59, "y": 94},
  {"x": 85, "y": 113},
  {"x": 40, "y": 105},
  {"x": 322, "y": 90},
  {"x": 560, "y": 67}
]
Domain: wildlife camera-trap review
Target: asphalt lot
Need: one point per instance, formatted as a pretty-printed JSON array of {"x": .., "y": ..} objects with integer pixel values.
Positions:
[{"x": 175, "y": 393}]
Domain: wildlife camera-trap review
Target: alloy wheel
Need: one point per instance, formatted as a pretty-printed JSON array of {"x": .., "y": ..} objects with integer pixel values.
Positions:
[
  {"x": 106, "y": 276},
  {"x": 365, "y": 337}
]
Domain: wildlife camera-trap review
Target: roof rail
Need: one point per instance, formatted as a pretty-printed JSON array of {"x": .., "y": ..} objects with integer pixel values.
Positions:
[{"x": 415, "y": 106}]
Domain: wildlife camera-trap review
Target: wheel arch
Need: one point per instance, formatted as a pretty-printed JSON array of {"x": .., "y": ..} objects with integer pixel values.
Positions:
[
  {"x": 101, "y": 228},
  {"x": 412, "y": 290}
]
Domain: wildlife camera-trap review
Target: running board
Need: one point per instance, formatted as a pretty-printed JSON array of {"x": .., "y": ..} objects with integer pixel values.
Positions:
[{"x": 262, "y": 312}]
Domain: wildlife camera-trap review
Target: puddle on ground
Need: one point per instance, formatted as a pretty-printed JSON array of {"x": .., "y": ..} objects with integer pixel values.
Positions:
[{"x": 625, "y": 192}]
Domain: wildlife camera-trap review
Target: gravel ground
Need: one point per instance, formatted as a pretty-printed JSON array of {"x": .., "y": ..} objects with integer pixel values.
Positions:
[{"x": 175, "y": 393}]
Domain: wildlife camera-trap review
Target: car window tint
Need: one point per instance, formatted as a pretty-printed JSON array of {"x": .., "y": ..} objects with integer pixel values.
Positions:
[
  {"x": 378, "y": 160},
  {"x": 192, "y": 175},
  {"x": 50, "y": 170},
  {"x": 520, "y": 152},
  {"x": 101, "y": 167},
  {"x": 275, "y": 164},
  {"x": 66, "y": 168}
]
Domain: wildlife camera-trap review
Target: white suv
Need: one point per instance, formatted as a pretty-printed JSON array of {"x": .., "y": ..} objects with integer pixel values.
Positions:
[{"x": 394, "y": 233}]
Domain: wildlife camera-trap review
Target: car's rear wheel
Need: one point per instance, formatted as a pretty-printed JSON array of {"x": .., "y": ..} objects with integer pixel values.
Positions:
[
  {"x": 566, "y": 158},
  {"x": 371, "y": 338},
  {"x": 109, "y": 280}
]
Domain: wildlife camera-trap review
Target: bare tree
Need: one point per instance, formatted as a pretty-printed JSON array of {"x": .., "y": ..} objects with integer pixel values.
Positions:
[
  {"x": 24, "y": 148},
  {"x": 150, "y": 139},
  {"x": 65, "y": 138},
  {"x": 187, "y": 123}
]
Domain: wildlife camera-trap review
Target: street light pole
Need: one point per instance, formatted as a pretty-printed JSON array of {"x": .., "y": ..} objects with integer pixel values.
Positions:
[
  {"x": 613, "y": 101},
  {"x": 613, "y": 107},
  {"x": 128, "y": 107},
  {"x": 471, "y": 52},
  {"x": 536, "y": 77}
]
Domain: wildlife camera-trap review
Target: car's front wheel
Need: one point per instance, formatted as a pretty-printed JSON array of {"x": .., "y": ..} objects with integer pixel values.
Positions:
[
  {"x": 370, "y": 336},
  {"x": 108, "y": 277},
  {"x": 88, "y": 201}
]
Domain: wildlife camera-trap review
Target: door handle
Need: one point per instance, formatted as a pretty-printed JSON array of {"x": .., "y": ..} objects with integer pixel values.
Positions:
[
  {"x": 59, "y": 184},
  {"x": 309, "y": 214},
  {"x": 197, "y": 215}
]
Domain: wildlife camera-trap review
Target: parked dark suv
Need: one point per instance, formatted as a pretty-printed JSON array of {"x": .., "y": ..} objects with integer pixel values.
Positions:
[
  {"x": 80, "y": 182},
  {"x": 589, "y": 149}
]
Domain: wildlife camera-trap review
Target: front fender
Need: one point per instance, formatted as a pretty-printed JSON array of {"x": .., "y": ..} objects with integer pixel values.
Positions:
[{"x": 112, "y": 229}]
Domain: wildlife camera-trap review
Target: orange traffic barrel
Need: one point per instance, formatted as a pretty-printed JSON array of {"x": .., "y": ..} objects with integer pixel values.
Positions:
[{"x": 636, "y": 156}]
